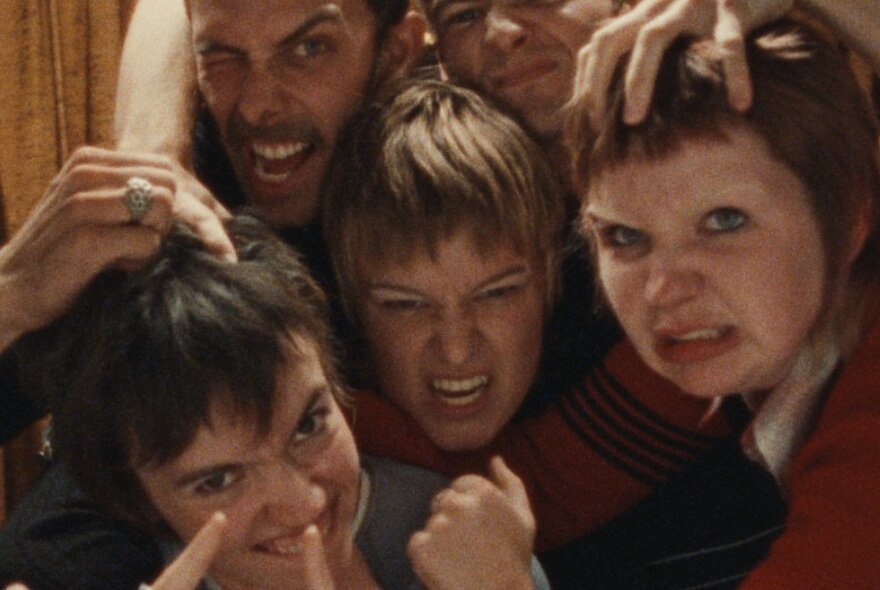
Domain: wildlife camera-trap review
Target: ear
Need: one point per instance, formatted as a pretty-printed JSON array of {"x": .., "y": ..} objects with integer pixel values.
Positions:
[
  {"x": 862, "y": 225},
  {"x": 402, "y": 49}
]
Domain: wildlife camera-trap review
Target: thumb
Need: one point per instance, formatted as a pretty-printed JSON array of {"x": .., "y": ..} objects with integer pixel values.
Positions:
[
  {"x": 317, "y": 571},
  {"x": 505, "y": 479}
]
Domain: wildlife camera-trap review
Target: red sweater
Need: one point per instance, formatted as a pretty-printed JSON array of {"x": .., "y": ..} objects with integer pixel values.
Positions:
[
  {"x": 597, "y": 451},
  {"x": 833, "y": 520}
]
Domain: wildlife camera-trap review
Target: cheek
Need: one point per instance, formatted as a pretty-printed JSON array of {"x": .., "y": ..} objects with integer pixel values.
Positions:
[
  {"x": 461, "y": 59},
  {"x": 396, "y": 347},
  {"x": 621, "y": 287},
  {"x": 787, "y": 297},
  {"x": 220, "y": 93},
  {"x": 516, "y": 335}
]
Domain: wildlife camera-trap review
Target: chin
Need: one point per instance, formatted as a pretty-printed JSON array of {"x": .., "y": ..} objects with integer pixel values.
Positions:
[{"x": 459, "y": 440}]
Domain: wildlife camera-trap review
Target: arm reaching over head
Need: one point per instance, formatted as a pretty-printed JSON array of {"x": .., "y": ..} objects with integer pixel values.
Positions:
[
  {"x": 652, "y": 25},
  {"x": 854, "y": 22},
  {"x": 649, "y": 29},
  {"x": 83, "y": 224},
  {"x": 156, "y": 102},
  {"x": 156, "y": 93}
]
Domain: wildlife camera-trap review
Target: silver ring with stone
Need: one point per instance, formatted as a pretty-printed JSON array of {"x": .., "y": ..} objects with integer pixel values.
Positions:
[{"x": 138, "y": 197}]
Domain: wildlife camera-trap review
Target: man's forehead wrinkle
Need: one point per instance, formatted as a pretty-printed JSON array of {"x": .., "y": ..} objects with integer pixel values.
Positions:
[
  {"x": 329, "y": 13},
  {"x": 440, "y": 5},
  {"x": 216, "y": 34}
]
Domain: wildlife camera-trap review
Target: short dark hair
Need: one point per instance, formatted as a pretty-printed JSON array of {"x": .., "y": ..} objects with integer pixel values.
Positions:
[
  {"x": 388, "y": 13},
  {"x": 131, "y": 371}
]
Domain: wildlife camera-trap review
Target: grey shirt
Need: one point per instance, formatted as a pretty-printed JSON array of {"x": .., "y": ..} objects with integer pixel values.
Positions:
[{"x": 394, "y": 503}]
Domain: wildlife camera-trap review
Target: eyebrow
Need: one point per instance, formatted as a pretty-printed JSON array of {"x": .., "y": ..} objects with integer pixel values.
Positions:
[
  {"x": 326, "y": 14},
  {"x": 189, "y": 477},
  {"x": 517, "y": 269},
  {"x": 439, "y": 6}
]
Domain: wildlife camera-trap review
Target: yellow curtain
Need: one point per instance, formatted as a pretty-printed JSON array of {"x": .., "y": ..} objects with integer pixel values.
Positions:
[{"x": 58, "y": 61}]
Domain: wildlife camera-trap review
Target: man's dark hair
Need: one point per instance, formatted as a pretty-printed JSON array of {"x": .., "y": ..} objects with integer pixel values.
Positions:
[
  {"x": 131, "y": 371},
  {"x": 388, "y": 13}
]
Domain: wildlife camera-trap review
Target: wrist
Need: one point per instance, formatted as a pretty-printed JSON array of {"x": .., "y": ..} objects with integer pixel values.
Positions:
[{"x": 12, "y": 326}]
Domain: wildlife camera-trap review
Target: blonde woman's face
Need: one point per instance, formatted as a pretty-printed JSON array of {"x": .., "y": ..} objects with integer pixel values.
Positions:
[{"x": 456, "y": 338}]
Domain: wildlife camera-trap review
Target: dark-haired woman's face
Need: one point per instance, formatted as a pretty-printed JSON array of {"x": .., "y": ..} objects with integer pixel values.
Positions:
[
  {"x": 713, "y": 260},
  {"x": 305, "y": 471}
]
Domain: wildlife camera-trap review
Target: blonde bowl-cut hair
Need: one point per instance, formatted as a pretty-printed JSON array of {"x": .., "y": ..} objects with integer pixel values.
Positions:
[{"x": 435, "y": 160}]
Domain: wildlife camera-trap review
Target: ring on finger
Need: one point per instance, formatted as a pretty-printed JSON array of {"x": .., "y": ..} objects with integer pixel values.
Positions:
[{"x": 138, "y": 197}]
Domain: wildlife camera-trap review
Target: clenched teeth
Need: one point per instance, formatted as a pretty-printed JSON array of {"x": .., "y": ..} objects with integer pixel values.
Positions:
[
  {"x": 459, "y": 385},
  {"x": 454, "y": 392}
]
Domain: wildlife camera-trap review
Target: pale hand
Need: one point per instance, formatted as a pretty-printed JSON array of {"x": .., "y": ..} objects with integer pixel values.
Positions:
[
  {"x": 186, "y": 572},
  {"x": 80, "y": 227},
  {"x": 648, "y": 29},
  {"x": 480, "y": 534}
]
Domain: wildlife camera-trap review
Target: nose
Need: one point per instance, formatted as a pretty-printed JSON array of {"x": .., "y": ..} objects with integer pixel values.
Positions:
[
  {"x": 263, "y": 96},
  {"x": 503, "y": 30},
  {"x": 457, "y": 336},
  {"x": 292, "y": 498},
  {"x": 671, "y": 281}
]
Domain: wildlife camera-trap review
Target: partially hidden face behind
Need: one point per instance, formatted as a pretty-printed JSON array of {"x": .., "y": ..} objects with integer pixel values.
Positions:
[
  {"x": 521, "y": 53},
  {"x": 281, "y": 77},
  {"x": 713, "y": 260},
  {"x": 304, "y": 471},
  {"x": 455, "y": 338}
]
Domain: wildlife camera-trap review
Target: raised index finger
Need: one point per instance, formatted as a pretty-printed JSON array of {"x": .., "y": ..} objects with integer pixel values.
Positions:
[{"x": 186, "y": 572}]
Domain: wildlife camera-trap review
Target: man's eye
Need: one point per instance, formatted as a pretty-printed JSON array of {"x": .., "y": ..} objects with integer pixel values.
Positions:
[
  {"x": 725, "y": 219},
  {"x": 462, "y": 17},
  {"x": 310, "y": 47},
  {"x": 220, "y": 62},
  {"x": 621, "y": 236},
  {"x": 215, "y": 483}
]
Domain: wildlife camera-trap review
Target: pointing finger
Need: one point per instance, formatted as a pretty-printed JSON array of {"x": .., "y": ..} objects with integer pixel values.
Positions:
[{"x": 187, "y": 570}]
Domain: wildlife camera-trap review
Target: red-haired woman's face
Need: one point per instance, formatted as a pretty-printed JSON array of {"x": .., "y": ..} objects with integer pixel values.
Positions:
[{"x": 713, "y": 260}]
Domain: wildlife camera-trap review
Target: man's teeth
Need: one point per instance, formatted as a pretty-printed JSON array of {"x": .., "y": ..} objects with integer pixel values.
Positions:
[
  {"x": 279, "y": 151},
  {"x": 267, "y": 155},
  {"x": 707, "y": 334}
]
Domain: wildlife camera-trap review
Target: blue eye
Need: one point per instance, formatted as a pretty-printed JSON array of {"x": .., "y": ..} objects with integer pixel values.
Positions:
[
  {"x": 725, "y": 219},
  {"x": 621, "y": 236}
]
